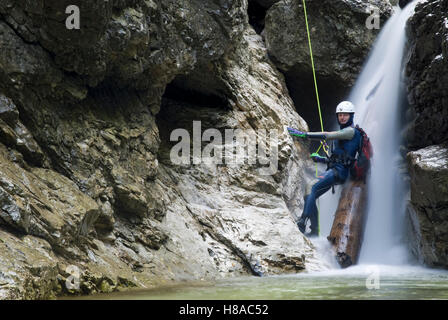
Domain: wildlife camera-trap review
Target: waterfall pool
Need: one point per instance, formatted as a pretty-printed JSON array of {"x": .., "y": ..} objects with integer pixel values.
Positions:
[{"x": 361, "y": 282}]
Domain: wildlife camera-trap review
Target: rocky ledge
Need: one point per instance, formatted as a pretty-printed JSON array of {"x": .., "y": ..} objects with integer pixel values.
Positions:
[{"x": 428, "y": 210}]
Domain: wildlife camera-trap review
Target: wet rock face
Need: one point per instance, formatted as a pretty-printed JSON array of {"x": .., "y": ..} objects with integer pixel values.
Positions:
[
  {"x": 428, "y": 210},
  {"x": 85, "y": 173},
  {"x": 427, "y": 74},
  {"x": 14, "y": 134},
  {"x": 340, "y": 43},
  {"x": 339, "y": 35},
  {"x": 138, "y": 44},
  {"x": 249, "y": 215}
]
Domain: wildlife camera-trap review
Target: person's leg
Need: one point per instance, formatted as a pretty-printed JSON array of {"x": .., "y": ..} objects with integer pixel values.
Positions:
[{"x": 310, "y": 209}]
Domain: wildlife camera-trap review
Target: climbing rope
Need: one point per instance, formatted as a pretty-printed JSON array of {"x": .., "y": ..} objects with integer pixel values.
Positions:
[
  {"x": 312, "y": 65},
  {"x": 323, "y": 144}
]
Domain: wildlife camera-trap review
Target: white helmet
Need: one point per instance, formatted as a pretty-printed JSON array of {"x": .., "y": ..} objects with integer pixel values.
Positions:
[{"x": 345, "y": 107}]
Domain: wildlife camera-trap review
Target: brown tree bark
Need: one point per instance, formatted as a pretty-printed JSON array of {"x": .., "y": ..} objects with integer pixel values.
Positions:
[{"x": 347, "y": 232}]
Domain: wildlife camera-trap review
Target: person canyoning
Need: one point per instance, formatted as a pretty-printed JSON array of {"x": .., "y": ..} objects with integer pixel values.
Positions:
[{"x": 346, "y": 143}]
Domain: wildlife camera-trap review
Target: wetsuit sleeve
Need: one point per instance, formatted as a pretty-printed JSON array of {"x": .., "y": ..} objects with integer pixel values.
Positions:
[{"x": 344, "y": 134}]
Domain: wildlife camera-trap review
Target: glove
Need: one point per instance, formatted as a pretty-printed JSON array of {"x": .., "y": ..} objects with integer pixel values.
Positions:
[
  {"x": 317, "y": 158},
  {"x": 296, "y": 133}
]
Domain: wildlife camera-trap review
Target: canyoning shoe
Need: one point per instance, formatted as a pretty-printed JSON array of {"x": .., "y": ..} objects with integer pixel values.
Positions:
[{"x": 302, "y": 224}]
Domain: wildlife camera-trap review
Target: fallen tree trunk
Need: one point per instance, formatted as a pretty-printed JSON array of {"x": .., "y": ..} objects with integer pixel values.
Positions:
[{"x": 348, "y": 226}]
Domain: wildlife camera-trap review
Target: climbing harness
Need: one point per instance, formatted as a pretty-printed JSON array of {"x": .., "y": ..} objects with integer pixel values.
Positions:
[{"x": 343, "y": 159}]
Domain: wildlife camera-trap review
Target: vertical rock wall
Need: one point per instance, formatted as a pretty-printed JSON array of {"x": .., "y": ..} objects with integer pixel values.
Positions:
[{"x": 427, "y": 134}]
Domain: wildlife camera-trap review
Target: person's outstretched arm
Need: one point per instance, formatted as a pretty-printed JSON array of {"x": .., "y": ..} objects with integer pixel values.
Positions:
[{"x": 344, "y": 134}]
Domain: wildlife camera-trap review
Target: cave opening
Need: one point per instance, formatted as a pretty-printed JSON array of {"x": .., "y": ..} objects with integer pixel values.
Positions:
[
  {"x": 303, "y": 93},
  {"x": 188, "y": 96},
  {"x": 301, "y": 88},
  {"x": 181, "y": 107},
  {"x": 257, "y": 14}
]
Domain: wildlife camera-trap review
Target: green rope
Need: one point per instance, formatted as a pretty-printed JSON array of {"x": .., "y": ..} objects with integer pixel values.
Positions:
[
  {"x": 312, "y": 65},
  {"x": 317, "y": 96}
]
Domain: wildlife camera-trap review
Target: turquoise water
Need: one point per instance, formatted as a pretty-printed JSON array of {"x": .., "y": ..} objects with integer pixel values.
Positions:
[{"x": 359, "y": 282}]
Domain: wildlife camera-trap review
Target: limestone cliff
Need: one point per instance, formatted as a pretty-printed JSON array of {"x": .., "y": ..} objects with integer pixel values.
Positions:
[{"x": 86, "y": 178}]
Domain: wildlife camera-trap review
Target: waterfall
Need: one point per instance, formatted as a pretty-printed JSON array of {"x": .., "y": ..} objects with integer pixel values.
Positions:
[{"x": 377, "y": 96}]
